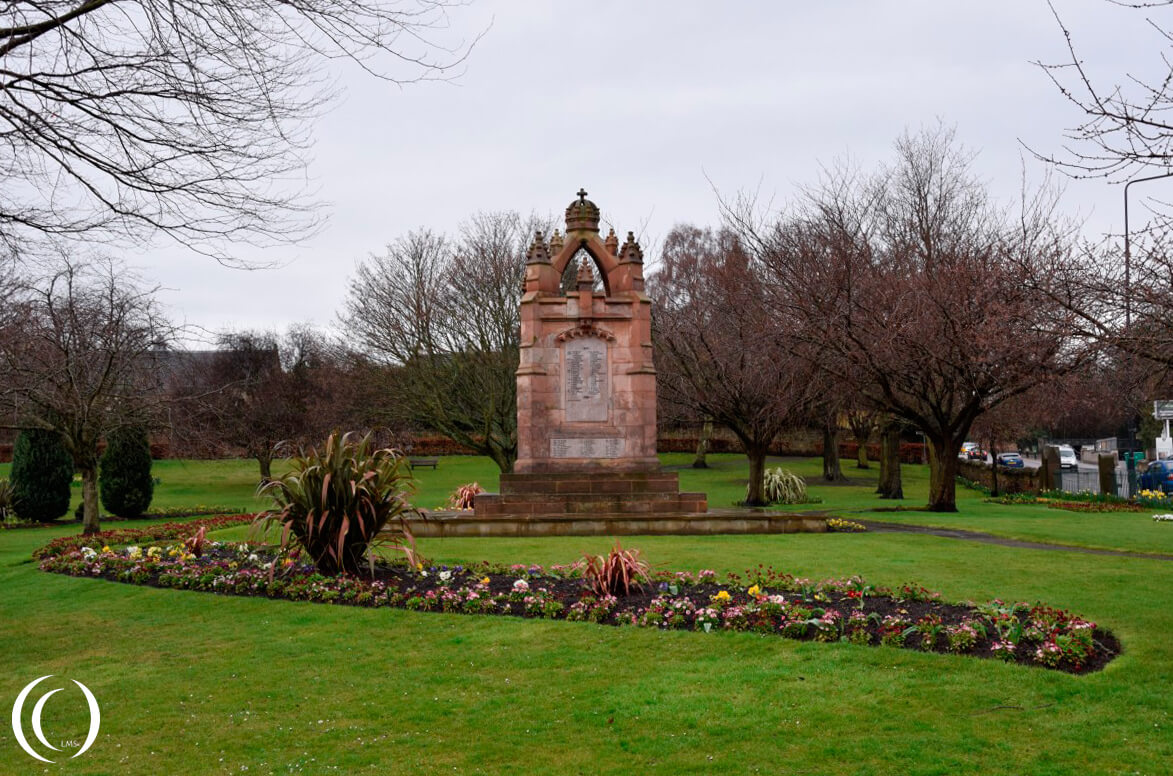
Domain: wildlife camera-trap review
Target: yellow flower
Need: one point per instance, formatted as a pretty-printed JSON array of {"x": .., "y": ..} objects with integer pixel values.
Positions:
[
  {"x": 721, "y": 596},
  {"x": 485, "y": 581},
  {"x": 755, "y": 590},
  {"x": 419, "y": 567},
  {"x": 106, "y": 548}
]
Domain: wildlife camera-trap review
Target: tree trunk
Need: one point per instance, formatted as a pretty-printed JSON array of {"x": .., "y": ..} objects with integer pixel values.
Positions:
[
  {"x": 89, "y": 500},
  {"x": 266, "y": 461},
  {"x": 943, "y": 474},
  {"x": 504, "y": 458},
  {"x": 861, "y": 454},
  {"x": 993, "y": 469},
  {"x": 702, "y": 445},
  {"x": 755, "y": 493},
  {"x": 891, "y": 486},
  {"x": 831, "y": 470}
]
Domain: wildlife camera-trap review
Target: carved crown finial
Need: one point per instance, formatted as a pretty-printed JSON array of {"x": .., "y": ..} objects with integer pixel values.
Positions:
[{"x": 582, "y": 214}]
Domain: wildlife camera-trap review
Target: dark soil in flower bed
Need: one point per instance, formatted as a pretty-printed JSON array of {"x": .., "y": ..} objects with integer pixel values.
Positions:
[{"x": 762, "y": 601}]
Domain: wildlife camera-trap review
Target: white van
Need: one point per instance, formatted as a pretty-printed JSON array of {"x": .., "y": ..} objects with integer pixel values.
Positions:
[{"x": 1067, "y": 458}]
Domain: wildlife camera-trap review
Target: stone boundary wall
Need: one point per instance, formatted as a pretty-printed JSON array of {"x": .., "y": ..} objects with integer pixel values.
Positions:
[{"x": 1009, "y": 480}]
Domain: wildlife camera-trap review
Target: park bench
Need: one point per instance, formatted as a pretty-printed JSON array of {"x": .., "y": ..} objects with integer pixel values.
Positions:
[{"x": 416, "y": 463}]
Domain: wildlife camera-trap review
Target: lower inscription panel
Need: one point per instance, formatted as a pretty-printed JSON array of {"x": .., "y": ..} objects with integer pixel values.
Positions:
[{"x": 575, "y": 447}]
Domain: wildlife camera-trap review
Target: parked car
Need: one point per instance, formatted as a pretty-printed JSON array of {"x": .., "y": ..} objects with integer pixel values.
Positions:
[
  {"x": 1158, "y": 476},
  {"x": 1067, "y": 457},
  {"x": 1011, "y": 460},
  {"x": 970, "y": 451}
]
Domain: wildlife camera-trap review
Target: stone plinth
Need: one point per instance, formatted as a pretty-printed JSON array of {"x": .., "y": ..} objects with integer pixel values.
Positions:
[{"x": 584, "y": 493}]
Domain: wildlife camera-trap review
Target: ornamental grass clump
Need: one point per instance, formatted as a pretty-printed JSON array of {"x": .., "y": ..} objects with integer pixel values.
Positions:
[
  {"x": 335, "y": 503},
  {"x": 783, "y": 487},
  {"x": 615, "y": 573}
]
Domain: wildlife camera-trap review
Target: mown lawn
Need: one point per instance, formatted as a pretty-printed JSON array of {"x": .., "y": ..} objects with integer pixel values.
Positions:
[{"x": 203, "y": 684}]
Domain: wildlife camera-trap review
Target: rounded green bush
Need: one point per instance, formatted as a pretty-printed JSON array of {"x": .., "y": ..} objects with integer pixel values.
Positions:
[
  {"x": 42, "y": 470},
  {"x": 124, "y": 479}
]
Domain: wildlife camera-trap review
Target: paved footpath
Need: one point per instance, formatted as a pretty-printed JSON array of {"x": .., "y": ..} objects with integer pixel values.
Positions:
[{"x": 978, "y": 536}]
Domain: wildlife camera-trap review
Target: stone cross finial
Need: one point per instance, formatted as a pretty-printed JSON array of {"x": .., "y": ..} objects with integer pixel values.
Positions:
[{"x": 582, "y": 194}]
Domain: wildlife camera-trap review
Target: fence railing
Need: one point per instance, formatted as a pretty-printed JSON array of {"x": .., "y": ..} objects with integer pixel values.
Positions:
[{"x": 1077, "y": 481}]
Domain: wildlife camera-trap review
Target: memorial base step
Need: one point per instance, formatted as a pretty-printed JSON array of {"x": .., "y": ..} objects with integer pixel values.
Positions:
[
  {"x": 578, "y": 493},
  {"x": 722, "y": 521}
]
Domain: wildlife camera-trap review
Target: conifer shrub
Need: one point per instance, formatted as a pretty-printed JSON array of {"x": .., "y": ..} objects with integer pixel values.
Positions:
[
  {"x": 124, "y": 480},
  {"x": 42, "y": 470}
]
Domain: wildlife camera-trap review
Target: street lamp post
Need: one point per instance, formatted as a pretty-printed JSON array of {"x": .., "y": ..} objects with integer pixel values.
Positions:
[
  {"x": 1128, "y": 249},
  {"x": 1130, "y": 459}
]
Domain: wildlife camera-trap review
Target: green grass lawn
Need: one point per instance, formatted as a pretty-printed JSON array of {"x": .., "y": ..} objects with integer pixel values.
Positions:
[{"x": 200, "y": 684}]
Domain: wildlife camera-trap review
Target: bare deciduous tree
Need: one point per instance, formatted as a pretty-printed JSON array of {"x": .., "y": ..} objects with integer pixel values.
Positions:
[
  {"x": 1130, "y": 312},
  {"x": 122, "y": 119},
  {"x": 445, "y": 315},
  {"x": 77, "y": 356},
  {"x": 720, "y": 350},
  {"x": 258, "y": 390},
  {"x": 1126, "y": 127},
  {"x": 863, "y": 422},
  {"x": 913, "y": 289}
]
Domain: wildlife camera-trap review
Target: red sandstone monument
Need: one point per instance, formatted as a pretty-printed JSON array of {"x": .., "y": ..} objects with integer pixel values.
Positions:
[{"x": 586, "y": 385}]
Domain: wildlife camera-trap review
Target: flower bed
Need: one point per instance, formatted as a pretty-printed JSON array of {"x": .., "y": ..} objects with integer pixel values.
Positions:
[
  {"x": 763, "y": 601},
  {"x": 1094, "y": 506},
  {"x": 155, "y": 533},
  {"x": 839, "y": 525}
]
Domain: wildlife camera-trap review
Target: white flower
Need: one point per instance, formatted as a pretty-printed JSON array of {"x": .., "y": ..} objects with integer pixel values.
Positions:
[
  {"x": 88, "y": 552},
  {"x": 521, "y": 586},
  {"x": 445, "y": 576},
  {"x": 253, "y": 558},
  {"x": 134, "y": 552}
]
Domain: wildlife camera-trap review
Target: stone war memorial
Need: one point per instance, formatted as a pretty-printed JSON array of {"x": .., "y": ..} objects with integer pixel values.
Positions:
[{"x": 586, "y": 388}]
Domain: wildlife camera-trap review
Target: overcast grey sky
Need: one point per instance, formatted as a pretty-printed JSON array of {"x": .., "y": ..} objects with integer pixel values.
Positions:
[{"x": 651, "y": 104}]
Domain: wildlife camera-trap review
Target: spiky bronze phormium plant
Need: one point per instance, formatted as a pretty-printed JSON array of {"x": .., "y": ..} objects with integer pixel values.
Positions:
[
  {"x": 615, "y": 573},
  {"x": 464, "y": 496},
  {"x": 335, "y": 503}
]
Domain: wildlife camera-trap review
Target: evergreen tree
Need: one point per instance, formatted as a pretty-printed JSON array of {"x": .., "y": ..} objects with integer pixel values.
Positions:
[
  {"x": 42, "y": 470},
  {"x": 125, "y": 481}
]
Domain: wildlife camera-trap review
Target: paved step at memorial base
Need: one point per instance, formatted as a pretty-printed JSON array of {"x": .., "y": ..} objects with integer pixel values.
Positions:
[
  {"x": 443, "y": 524},
  {"x": 596, "y": 493}
]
